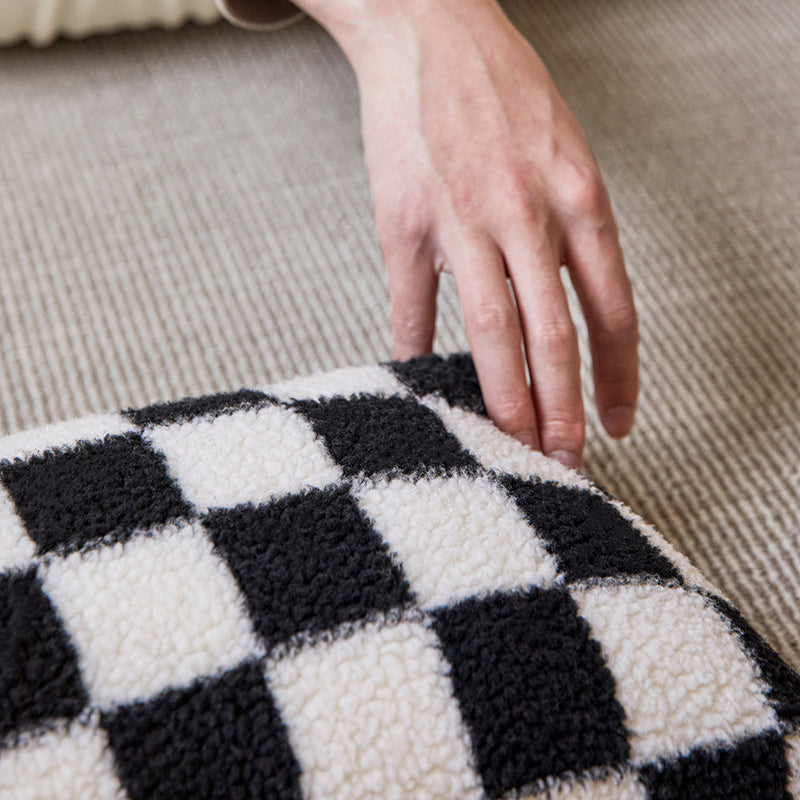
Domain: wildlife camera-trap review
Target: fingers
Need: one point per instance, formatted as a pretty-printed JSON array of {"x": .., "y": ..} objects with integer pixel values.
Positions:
[
  {"x": 495, "y": 338},
  {"x": 551, "y": 345},
  {"x": 412, "y": 288},
  {"x": 597, "y": 268}
]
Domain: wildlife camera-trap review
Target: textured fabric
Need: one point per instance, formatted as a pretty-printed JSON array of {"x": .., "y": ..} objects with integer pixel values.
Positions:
[
  {"x": 354, "y": 586},
  {"x": 189, "y": 212},
  {"x": 41, "y": 21}
]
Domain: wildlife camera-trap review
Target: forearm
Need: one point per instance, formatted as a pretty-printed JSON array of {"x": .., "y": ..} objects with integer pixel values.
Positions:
[
  {"x": 355, "y": 23},
  {"x": 359, "y": 26}
]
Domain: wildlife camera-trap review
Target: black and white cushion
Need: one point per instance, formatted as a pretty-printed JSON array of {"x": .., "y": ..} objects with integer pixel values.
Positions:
[{"x": 354, "y": 586}]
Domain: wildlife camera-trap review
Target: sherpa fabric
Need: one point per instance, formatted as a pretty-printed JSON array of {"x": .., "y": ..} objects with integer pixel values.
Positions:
[{"x": 354, "y": 586}]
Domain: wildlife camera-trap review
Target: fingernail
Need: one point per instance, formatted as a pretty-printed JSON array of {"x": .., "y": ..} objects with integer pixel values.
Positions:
[
  {"x": 618, "y": 421},
  {"x": 528, "y": 439},
  {"x": 570, "y": 460}
]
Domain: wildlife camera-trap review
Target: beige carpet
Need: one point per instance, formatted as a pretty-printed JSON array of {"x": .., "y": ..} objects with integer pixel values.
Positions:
[{"x": 187, "y": 212}]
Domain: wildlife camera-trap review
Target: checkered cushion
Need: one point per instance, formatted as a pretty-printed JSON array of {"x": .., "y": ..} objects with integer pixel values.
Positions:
[{"x": 354, "y": 586}]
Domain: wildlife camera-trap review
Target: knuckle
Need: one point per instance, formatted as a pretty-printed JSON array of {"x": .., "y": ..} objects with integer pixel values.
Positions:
[
  {"x": 510, "y": 412},
  {"x": 555, "y": 337},
  {"x": 620, "y": 324},
  {"x": 564, "y": 432},
  {"x": 404, "y": 225},
  {"x": 410, "y": 329},
  {"x": 583, "y": 190},
  {"x": 493, "y": 320}
]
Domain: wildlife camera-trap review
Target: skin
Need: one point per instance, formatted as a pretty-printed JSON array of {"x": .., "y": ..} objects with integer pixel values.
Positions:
[{"x": 478, "y": 169}]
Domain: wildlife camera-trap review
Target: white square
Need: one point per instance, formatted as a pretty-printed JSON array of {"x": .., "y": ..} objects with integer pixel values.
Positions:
[
  {"x": 346, "y": 382},
  {"x": 153, "y": 613},
  {"x": 61, "y": 435},
  {"x": 681, "y": 675},
  {"x": 456, "y": 537},
  {"x": 16, "y": 547},
  {"x": 373, "y": 715},
  {"x": 498, "y": 451},
  {"x": 247, "y": 456},
  {"x": 73, "y": 763}
]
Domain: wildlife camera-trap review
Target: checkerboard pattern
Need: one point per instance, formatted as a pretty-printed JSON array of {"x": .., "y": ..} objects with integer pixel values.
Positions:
[{"x": 354, "y": 586}]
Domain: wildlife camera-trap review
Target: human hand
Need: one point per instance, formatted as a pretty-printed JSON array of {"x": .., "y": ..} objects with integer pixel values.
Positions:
[{"x": 477, "y": 168}]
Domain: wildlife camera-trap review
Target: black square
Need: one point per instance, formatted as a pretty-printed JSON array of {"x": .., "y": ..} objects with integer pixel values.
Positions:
[
  {"x": 220, "y": 739},
  {"x": 193, "y": 407},
  {"x": 369, "y": 435},
  {"x": 67, "y": 498},
  {"x": 454, "y": 378},
  {"x": 39, "y": 676},
  {"x": 753, "y": 770},
  {"x": 587, "y": 535},
  {"x": 534, "y": 691},
  {"x": 307, "y": 562}
]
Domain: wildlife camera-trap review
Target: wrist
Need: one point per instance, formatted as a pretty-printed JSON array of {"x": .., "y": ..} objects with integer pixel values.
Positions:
[{"x": 352, "y": 22}]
